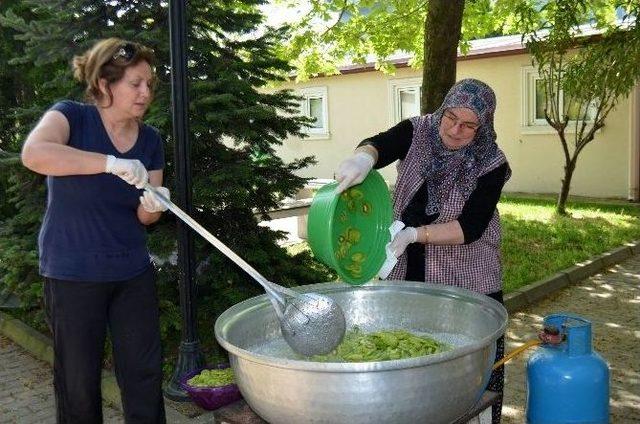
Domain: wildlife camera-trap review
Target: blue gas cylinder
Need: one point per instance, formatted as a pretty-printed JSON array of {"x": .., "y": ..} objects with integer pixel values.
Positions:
[{"x": 567, "y": 382}]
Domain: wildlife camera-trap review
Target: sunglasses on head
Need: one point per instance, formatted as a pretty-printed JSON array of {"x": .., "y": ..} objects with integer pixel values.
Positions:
[{"x": 125, "y": 52}]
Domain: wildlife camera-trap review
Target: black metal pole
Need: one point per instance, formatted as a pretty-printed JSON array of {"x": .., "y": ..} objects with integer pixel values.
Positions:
[{"x": 189, "y": 356}]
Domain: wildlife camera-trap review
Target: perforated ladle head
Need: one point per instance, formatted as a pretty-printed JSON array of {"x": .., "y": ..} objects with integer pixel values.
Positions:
[{"x": 311, "y": 323}]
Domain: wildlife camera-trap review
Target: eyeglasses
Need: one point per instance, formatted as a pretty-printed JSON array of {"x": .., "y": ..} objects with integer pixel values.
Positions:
[
  {"x": 125, "y": 52},
  {"x": 464, "y": 125}
]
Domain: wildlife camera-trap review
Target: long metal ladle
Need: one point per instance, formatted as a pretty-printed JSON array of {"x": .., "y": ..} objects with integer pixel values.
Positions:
[{"x": 311, "y": 323}]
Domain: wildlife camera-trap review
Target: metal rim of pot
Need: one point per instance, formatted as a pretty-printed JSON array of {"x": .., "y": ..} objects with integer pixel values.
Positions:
[{"x": 347, "y": 367}]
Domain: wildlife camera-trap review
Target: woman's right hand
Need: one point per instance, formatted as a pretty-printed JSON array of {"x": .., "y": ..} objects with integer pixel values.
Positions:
[
  {"x": 353, "y": 170},
  {"x": 130, "y": 170},
  {"x": 402, "y": 240}
]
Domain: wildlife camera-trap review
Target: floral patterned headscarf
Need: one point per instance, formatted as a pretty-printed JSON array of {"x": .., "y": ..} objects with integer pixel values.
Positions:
[{"x": 446, "y": 168}]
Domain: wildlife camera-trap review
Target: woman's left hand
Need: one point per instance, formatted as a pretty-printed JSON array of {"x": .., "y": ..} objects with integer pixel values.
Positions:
[
  {"x": 150, "y": 201},
  {"x": 403, "y": 239}
]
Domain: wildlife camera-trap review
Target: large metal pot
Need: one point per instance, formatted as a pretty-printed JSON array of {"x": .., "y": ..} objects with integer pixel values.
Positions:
[{"x": 438, "y": 388}]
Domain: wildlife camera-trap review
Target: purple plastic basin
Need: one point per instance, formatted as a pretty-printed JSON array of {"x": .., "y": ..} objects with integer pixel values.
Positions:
[{"x": 211, "y": 398}]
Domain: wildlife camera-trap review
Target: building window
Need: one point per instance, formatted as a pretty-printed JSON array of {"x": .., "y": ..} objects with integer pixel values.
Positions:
[
  {"x": 405, "y": 99},
  {"x": 314, "y": 105},
  {"x": 533, "y": 104}
]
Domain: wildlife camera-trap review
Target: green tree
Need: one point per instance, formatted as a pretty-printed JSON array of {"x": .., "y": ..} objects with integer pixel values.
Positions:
[
  {"x": 234, "y": 128},
  {"x": 442, "y": 31},
  {"x": 583, "y": 78},
  {"x": 21, "y": 201},
  {"x": 333, "y": 32}
]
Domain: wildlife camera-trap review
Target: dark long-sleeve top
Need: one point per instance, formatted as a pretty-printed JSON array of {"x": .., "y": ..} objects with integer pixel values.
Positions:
[{"x": 394, "y": 144}]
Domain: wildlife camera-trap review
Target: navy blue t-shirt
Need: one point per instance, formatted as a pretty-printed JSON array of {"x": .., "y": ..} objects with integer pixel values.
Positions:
[{"x": 90, "y": 230}]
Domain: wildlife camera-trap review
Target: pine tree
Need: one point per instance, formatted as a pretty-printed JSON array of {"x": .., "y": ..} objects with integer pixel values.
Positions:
[
  {"x": 234, "y": 125},
  {"x": 21, "y": 198}
]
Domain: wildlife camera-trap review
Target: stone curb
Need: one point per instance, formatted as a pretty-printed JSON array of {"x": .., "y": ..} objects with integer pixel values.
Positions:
[
  {"x": 42, "y": 347},
  {"x": 31, "y": 340},
  {"x": 532, "y": 293}
]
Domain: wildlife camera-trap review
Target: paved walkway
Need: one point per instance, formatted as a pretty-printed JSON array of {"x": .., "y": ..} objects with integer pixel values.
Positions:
[
  {"x": 26, "y": 389},
  {"x": 611, "y": 300}
]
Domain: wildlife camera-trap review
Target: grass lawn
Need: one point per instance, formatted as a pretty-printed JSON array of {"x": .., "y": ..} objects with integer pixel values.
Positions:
[{"x": 536, "y": 243}]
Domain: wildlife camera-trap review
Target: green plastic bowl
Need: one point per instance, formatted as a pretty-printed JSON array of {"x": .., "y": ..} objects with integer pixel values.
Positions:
[{"x": 349, "y": 232}]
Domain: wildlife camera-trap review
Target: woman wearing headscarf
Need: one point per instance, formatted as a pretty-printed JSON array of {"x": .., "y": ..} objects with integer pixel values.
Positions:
[{"x": 450, "y": 177}]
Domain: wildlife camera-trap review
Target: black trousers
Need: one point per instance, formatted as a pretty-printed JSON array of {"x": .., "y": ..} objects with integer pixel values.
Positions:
[
  {"x": 415, "y": 272},
  {"x": 496, "y": 381},
  {"x": 79, "y": 314}
]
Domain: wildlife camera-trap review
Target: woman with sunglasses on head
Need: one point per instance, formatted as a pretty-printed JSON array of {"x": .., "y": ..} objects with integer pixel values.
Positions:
[
  {"x": 450, "y": 177},
  {"x": 97, "y": 157}
]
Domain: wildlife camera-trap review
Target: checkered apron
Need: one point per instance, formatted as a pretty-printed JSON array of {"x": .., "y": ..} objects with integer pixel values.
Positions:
[{"x": 475, "y": 266}]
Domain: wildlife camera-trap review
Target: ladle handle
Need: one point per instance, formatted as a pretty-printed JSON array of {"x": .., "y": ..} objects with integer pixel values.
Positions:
[{"x": 266, "y": 284}]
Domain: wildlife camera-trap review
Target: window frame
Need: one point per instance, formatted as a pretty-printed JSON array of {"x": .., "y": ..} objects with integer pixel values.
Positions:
[
  {"x": 308, "y": 93},
  {"x": 395, "y": 88},
  {"x": 529, "y": 123}
]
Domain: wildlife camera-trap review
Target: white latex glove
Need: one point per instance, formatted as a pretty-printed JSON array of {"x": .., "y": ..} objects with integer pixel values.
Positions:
[
  {"x": 353, "y": 170},
  {"x": 150, "y": 201},
  {"x": 130, "y": 170},
  {"x": 403, "y": 239},
  {"x": 391, "y": 260}
]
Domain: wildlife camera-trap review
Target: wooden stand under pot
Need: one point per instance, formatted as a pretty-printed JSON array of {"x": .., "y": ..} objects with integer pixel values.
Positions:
[{"x": 240, "y": 413}]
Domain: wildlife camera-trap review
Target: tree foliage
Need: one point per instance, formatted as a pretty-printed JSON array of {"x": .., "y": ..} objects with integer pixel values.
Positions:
[
  {"x": 334, "y": 32},
  {"x": 584, "y": 77},
  {"x": 21, "y": 202},
  {"x": 331, "y": 33},
  {"x": 234, "y": 128}
]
